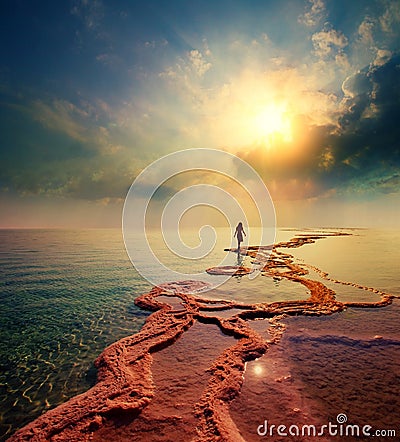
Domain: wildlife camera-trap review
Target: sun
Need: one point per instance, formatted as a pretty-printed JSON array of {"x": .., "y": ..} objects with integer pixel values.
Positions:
[{"x": 272, "y": 121}]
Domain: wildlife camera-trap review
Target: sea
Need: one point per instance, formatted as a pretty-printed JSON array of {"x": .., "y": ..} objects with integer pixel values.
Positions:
[{"x": 65, "y": 295}]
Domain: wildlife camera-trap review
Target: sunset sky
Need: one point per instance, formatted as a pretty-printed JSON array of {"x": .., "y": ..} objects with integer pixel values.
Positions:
[{"x": 306, "y": 91}]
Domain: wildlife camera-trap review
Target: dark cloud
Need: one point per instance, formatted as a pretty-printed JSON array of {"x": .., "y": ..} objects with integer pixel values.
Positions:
[
  {"x": 361, "y": 154},
  {"x": 369, "y": 138}
]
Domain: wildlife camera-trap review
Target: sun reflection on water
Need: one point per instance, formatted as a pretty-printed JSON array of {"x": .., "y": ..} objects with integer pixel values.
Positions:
[{"x": 258, "y": 369}]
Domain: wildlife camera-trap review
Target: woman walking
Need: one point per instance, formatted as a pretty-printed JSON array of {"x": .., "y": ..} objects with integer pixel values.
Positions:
[{"x": 239, "y": 232}]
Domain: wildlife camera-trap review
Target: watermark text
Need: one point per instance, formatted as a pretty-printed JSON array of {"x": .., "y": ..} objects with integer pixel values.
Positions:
[{"x": 339, "y": 428}]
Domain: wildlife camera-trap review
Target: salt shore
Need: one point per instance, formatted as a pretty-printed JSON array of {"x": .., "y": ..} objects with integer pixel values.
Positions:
[{"x": 214, "y": 370}]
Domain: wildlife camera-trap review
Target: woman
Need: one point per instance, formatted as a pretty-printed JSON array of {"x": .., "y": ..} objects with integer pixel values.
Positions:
[{"x": 239, "y": 234}]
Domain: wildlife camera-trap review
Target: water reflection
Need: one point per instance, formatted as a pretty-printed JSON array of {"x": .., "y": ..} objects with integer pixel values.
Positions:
[
  {"x": 239, "y": 259},
  {"x": 258, "y": 369},
  {"x": 239, "y": 262}
]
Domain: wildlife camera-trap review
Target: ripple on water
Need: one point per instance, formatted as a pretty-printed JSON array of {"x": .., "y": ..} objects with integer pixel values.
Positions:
[{"x": 61, "y": 306}]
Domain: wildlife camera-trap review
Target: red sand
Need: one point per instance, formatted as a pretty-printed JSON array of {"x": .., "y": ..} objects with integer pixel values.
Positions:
[{"x": 171, "y": 383}]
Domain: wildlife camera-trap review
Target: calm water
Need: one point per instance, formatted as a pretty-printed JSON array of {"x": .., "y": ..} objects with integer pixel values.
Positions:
[{"x": 66, "y": 295}]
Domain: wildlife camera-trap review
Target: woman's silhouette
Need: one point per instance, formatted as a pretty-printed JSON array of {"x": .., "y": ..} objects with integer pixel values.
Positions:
[{"x": 239, "y": 232}]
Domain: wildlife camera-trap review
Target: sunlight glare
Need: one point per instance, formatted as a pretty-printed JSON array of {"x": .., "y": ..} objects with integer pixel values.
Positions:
[
  {"x": 273, "y": 121},
  {"x": 258, "y": 369}
]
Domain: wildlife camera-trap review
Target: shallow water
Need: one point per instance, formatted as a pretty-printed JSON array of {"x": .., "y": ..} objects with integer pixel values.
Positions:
[
  {"x": 325, "y": 366},
  {"x": 180, "y": 374},
  {"x": 368, "y": 257},
  {"x": 66, "y": 295},
  {"x": 347, "y": 363}
]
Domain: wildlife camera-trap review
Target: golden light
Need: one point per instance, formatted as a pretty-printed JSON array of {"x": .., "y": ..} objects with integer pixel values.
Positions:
[
  {"x": 258, "y": 369},
  {"x": 272, "y": 109},
  {"x": 272, "y": 121}
]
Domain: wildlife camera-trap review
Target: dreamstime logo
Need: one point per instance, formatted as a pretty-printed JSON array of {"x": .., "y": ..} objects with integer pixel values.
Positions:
[
  {"x": 332, "y": 429},
  {"x": 199, "y": 173},
  {"x": 341, "y": 418}
]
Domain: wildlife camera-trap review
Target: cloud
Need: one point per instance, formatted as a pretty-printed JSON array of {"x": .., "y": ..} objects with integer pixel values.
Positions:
[
  {"x": 63, "y": 151},
  {"x": 389, "y": 184},
  {"x": 366, "y": 147},
  {"x": 357, "y": 84},
  {"x": 360, "y": 156},
  {"x": 194, "y": 92},
  {"x": 61, "y": 116},
  {"x": 90, "y": 178},
  {"x": 313, "y": 14},
  {"x": 366, "y": 31},
  {"x": 110, "y": 60},
  {"x": 390, "y": 19},
  {"x": 376, "y": 85},
  {"x": 370, "y": 41},
  {"x": 199, "y": 64},
  {"x": 328, "y": 42},
  {"x": 194, "y": 62},
  {"x": 225, "y": 108},
  {"x": 155, "y": 43},
  {"x": 98, "y": 126},
  {"x": 91, "y": 12},
  {"x": 382, "y": 57}
]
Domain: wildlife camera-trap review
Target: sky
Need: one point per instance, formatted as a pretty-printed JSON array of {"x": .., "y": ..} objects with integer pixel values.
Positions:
[{"x": 306, "y": 91}]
